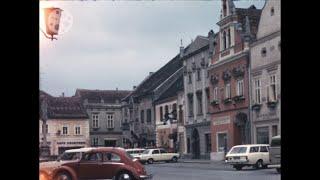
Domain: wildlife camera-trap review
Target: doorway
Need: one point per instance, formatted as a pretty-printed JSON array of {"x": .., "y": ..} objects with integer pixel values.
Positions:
[{"x": 195, "y": 144}]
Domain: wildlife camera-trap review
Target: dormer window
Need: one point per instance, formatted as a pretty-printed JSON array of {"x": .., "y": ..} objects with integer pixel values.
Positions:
[{"x": 272, "y": 11}]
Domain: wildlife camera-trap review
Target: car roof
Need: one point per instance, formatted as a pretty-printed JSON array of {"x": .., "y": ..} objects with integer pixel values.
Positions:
[
  {"x": 276, "y": 137},
  {"x": 249, "y": 145},
  {"x": 80, "y": 150},
  {"x": 134, "y": 149}
]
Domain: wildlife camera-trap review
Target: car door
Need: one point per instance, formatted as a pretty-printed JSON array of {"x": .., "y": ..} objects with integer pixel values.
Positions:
[
  {"x": 155, "y": 155},
  {"x": 90, "y": 166},
  {"x": 111, "y": 164},
  {"x": 164, "y": 155},
  {"x": 253, "y": 155},
  {"x": 264, "y": 153}
]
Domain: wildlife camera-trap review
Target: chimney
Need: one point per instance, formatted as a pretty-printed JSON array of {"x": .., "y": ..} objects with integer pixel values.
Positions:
[
  {"x": 62, "y": 94},
  {"x": 134, "y": 87},
  {"x": 116, "y": 89},
  {"x": 150, "y": 73},
  {"x": 181, "y": 49}
]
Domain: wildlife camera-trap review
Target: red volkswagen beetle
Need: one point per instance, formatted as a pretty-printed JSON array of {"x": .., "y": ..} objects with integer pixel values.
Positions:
[{"x": 94, "y": 163}]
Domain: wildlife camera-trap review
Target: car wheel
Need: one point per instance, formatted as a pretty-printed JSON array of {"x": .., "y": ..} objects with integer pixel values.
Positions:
[
  {"x": 279, "y": 170},
  {"x": 150, "y": 161},
  {"x": 124, "y": 175},
  {"x": 259, "y": 164},
  {"x": 238, "y": 168},
  {"x": 174, "y": 159},
  {"x": 63, "y": 176}
]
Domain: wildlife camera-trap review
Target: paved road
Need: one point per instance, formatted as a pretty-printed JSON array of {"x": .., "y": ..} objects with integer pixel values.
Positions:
[{"x": 196, "y": 171}]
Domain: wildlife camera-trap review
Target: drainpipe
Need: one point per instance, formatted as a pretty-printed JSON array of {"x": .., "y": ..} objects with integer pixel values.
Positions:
[{"x": 250, "y": 97}]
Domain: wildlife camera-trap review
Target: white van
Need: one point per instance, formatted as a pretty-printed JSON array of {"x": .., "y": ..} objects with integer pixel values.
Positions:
[{"x": 256, "y": 155}]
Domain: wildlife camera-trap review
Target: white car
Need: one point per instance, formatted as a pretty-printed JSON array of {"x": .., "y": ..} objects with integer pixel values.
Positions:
[
  {"x": 136, "y": 152},
  {"x": 256, "y": 155},
  {"x": 151, "y": 155}
]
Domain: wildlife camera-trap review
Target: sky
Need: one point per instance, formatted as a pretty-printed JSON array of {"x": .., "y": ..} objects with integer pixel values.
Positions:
[{"x": 115, "y": 44}]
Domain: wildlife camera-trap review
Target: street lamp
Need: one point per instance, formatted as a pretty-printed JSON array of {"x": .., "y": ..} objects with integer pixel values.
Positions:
[{"x": 52, "y": 21}]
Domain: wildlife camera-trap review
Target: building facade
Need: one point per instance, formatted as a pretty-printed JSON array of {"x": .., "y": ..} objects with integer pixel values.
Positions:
[
  {"x": 196, "y": 57},
  {"x": 104, "y": 110},
  {"x": 169, "y": 113},
  {"x": 229, "y": 78},
  {"x": 265, "y": 75},
  {"x": 67, "y": 124}
]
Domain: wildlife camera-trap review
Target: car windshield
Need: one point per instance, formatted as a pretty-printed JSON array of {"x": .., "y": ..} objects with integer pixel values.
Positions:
[
  {"x": 276, "y": 142},
  {"x": 68, "y": 156},
  {"x": 146, "y": 151},
  {"x": 238, "y": 150}
]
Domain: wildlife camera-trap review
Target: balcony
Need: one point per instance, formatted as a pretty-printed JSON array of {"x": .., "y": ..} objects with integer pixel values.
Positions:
[
  {"x": 272, "y": 104},
  {"x": 214, "y": 102},
  {"x": 227, "y": 100},
  {"x": 256, "y": 106},
  {"x": 238, "y": 98}
]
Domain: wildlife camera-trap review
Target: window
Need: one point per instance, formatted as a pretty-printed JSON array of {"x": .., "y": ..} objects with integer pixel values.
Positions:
[
  {"x": 263, "y": 135},
  {"x": 215, "y": 93},
  {"x": 272, "y": 94},
  {"x": 46, "y": 129},
  {"x": 180, "y": 114},
  {"x": 64, "y": 130},
  {"x": 111, "y": 157},
  {"x": 229, "y": 37},
  {"x": 227, "y": 91},
  {"x": 148, "y": 115},
  {"x": 161, "y": 113},
  {"x": 272, "y": 11},
  {"x": 95, "y": 141},
  {"x": 166, "y": 109},
  {"x": 77, "y": 130},
  {"x": 95, "y": 120},
  {"x": 208, "y": 142},
  {"x": 92, "y": 157},
  {"x": 254, "y": 149},
  {"x": 224, "y": 40},
  {"x": 238, "y": 150},
  {"x": 222, "y": 142},
  {"x": 199, "y": 105},
  {"x": 155, "y": 152},
  {"x": 257, "y": 86},
  {"x": 264, "y": 52},
  {"x": 240, "y": 87},
  {"x": 188, "y": 145},
  {"x": 274, "y": 130},
  {"x": 190, "y": 104},
  {"x": 263, "y": 149},
  {"x": 199, "y": 74},
  {"x": 190, "y": 78},
  {"x": 142, "y": 116},
  {"x": 162, "y": 151},
  {"x": 208, "y": 99},
  {"x": 110, "y": 121},
  {"x": 174, "y": 111}
]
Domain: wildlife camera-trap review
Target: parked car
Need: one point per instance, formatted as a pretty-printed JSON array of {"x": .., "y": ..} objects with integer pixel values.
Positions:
[
  {"x": 135, "y": 152},
  {"x": 158, "y": 154},
  {"x": 94, "y": 163},
  {"x": 256, "y": 155},
  {"x": 275, "y": 153}
]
